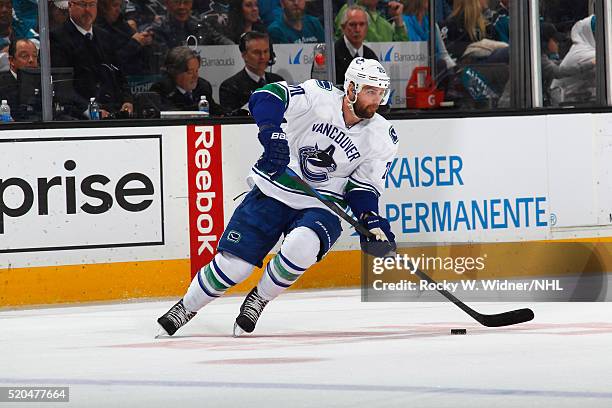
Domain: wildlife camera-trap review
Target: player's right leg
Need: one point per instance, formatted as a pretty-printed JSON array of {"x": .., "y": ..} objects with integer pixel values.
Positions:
[
  {"x": 309, "y": 236},
  {"x": 223, "y": 272},
  {"x": 254, "y": 228}
]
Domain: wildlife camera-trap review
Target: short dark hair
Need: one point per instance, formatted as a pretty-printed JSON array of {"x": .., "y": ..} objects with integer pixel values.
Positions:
[
  {"x": 13, "y": 46},
  {"x": 249, "y": 36},
  {"x": 177, "y": 59}
]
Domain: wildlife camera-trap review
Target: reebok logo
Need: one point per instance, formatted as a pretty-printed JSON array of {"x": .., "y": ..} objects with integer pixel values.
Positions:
[
  {"x": 204, "y": 197},
  {"x": 205, "y": 180}
]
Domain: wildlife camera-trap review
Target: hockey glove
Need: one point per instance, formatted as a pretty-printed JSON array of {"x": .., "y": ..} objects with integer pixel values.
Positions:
[
  {"x": 383, "y": 241},
  {"x": 275, "y": 157}
]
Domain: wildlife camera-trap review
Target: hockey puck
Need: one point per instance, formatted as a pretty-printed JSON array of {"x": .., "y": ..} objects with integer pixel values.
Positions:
[{"x": 458, "y": 331}]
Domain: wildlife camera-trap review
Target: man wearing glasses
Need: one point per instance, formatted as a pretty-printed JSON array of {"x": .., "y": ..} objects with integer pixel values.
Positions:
[{"x": 90, "y": 52}]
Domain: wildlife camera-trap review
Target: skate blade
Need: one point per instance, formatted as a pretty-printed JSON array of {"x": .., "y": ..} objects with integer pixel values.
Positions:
[
  {"x": 161, "y": 333},
  {"x": 238, "y": 330}
]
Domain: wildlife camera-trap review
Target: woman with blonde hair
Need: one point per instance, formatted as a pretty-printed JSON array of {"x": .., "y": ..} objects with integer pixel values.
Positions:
[{"x": 466, "y": 24}]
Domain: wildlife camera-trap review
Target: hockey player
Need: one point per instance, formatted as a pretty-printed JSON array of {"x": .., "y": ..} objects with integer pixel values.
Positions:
[{"x": 341, "y": 147}]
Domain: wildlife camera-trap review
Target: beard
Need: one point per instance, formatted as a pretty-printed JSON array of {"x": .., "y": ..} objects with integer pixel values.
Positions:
[
  {"x": 364, "y": 111},
  {"x": 295, "y": 15}
]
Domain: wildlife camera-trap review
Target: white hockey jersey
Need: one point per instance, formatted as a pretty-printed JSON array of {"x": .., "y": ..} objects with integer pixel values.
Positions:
[{"x": 330, "y": 157}]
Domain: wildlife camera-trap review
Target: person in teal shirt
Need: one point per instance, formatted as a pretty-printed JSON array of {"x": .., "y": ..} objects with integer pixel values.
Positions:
[
  {"x": 417, "y": 25},
  {"x": 295, "y": 26},
  {"x": 379, "y": 29}
]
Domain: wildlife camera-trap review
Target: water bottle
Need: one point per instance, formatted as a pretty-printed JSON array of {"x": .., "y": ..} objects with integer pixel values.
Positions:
[
  {"x": 203, "y": 105},
  {"x": 5, "y": 112},
  {"x": 94, "y": 109}
]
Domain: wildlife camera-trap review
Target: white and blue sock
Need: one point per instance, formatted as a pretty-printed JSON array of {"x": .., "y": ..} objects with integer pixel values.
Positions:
[
  {"x": 298, "y": 253},
  {"x": 223, "y": 272}
]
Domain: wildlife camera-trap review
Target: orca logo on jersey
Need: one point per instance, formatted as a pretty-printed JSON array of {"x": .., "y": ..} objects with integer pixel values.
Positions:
[{"x": 316, "y": 164}]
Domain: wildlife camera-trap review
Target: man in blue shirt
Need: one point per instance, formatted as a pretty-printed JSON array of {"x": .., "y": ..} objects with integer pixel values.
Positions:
[{"x": 294, "y": 26}]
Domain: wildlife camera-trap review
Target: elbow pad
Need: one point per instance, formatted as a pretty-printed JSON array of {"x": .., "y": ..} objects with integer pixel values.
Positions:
[{"x": 266, "y": 109}]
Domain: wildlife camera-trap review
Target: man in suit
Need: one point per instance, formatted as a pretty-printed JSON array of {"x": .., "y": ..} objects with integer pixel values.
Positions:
[
  {"x": 22, "y": 54},
  {"x": 235, "y": 91},
  {"x": 90, "y": 52},
  {"x": 182, "y": 87},
  {"x": 354, "y": 25}
]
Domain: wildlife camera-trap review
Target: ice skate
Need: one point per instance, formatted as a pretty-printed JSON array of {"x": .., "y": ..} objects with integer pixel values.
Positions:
[
  {"x": 174, "y": 319},
  {"x": 250, "y": 311}
]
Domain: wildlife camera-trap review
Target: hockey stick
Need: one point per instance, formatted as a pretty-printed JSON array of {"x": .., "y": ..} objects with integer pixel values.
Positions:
[{"x": 489, "y": 320}]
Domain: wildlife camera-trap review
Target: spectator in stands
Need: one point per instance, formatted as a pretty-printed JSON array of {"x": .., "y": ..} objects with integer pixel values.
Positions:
[
  {"x": 551, "y": 68},
  {"x": 503, "y": 8},
  {"x": 179, "y": 24},
  {"x": 182, "y": 87},
  {"x": 270, "y": 10},
  {"x": 25, "y": 18},
  {"x": 500, "y": 19},
  {"x": 235, "y": 91},
  {"x": 91, "y": 53},
  {"x": 243, "y": 17},
  {"x": 354, "y": 25},
  {"x": 22, "y": 54},
  {"x": 295, "y": 26},
  {"x": 488, "y": 13},
  {"x": 466, "y": 25},
  {"x": 7, "y": 33},
  {"x": 443, "y": 10},
  {"x": 379, "y": 29},
  {"x": 416, "y": 18},
  {"x": 417, "y": 23},
  {"x": 134, "y": 51},
  {"x": 142, "y": 14},
  {"x": 581, "y": 57},
  {"x": 58, "y": 13}
]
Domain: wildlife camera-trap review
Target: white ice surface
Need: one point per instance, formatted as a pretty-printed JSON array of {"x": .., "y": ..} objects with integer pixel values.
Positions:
[{"x": 313, "y": 349}]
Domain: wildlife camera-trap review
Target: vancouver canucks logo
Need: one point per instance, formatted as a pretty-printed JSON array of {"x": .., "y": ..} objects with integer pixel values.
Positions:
[{"x": 316, "y": 164}]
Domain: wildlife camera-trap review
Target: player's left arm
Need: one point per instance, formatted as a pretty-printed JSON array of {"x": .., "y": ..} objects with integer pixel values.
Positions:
[
  {"x": 268, "y": 106},
  {"x": 364, "y": 189}
]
